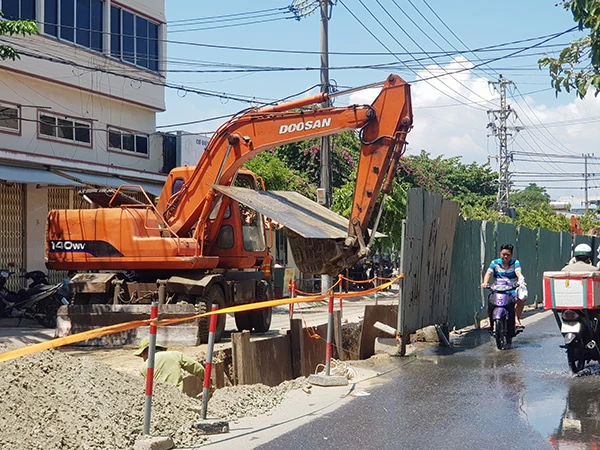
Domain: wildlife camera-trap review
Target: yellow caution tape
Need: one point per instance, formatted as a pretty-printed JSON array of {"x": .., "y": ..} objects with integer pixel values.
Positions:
[{"x": 126, "y": 326}]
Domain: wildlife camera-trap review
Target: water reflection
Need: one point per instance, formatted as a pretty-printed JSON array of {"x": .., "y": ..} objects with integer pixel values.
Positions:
[
  {"x": 505, "y": 374},
  {"x": 579, "y": 426}
]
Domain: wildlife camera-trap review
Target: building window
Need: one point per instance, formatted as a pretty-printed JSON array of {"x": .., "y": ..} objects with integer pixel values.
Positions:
[
  {"x": 134, "y": 39},
  {"x": 18, "y": 9},
  {"x": 65, "y": 129},
  {"x": 77, "y": 21},
  {"x": 10, "y": 118},
  {"x": 127, "y": 141}
]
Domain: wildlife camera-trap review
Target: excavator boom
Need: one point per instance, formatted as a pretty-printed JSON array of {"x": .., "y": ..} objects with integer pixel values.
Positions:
[{"x": 384, "y": 126}]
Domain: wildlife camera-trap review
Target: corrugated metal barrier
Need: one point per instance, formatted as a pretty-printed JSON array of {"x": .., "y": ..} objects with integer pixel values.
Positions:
[{"x": 475, "y": 244}]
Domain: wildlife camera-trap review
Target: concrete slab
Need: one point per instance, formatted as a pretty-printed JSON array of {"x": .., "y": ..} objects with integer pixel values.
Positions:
[
  {"x": 153, "y": 443},
  {"x": 209, "y": 426},
  {"x": 388, "y": 346},
  {"x": 327, "y": 380}
]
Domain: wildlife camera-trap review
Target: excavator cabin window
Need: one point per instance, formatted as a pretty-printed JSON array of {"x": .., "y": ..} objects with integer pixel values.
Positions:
[
  {"x": 252, "y": 222},
  {"x": 177, "y": 185}
]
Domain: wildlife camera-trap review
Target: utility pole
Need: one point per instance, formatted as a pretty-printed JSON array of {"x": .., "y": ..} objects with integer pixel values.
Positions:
[
  {"x": 325, "y": 153},
  {"x": 500, "y": 130},
  {"x": 586, "y": 176}
]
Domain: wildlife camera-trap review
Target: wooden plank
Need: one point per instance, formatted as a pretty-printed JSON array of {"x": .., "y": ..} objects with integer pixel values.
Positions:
[
  {"x": 218, "y": 374},
  {"x": 314, "y": 344},
  {"x": 266, "y": 361},
  {"x": 239, "y": 347},
  {"x": 296, "y": 347},
  {"x": 387, "y": 314},
  {"x": 338, "y": 344},
  {"x": 271, "y": 361}
]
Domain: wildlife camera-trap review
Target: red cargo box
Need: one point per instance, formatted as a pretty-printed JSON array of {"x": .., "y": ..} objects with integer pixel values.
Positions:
[{"x": 571, "y": 290}]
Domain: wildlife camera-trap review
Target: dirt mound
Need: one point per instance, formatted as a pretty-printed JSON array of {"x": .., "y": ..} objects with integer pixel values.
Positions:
[
  {"x": 52, "y": 400},
  {"x": 250, "y": 400}
]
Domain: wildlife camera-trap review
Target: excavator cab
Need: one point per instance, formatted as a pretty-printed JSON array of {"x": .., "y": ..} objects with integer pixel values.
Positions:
[{"x": 241, "y": 239}]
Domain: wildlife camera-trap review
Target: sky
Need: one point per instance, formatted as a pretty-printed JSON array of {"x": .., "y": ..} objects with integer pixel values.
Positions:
[{"x": 224, "y": 57}]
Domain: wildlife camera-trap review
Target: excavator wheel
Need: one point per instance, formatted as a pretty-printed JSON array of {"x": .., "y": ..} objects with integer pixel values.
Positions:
[
  {"x": 216, "y": 296},
  {"x": 261, "y": 318},
  {"x": 243, "y": 320}
]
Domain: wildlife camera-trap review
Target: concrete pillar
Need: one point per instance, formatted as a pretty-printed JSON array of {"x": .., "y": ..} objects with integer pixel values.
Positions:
[
  {"x": 40, "y": 14},
  {"x": 36, "y": 211},
  {"x": 106, "y": 22}
]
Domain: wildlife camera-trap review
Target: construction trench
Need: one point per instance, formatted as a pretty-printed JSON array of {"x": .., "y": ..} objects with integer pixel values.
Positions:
[{"x": 68, "y": 398}]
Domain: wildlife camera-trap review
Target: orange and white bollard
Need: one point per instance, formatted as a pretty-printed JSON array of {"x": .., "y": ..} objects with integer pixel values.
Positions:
[
  {"x": 329, "y": 335},
  {"x": 292, "y": 289},
  {"x": 212, "y": 329},
  {"x": 150, "y": 369}
]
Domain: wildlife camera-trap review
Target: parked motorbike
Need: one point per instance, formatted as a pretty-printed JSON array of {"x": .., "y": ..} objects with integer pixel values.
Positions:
[
  {"x": 39, "y": 301},
  {"x": 501, "y": 304},
  {"x": 581, "y": 334}
]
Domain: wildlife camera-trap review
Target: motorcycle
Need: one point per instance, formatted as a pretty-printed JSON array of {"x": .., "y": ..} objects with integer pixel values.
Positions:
[
  {"x": 501, "y": 309},
  {"x": 39, "y": 301},
  {"x": 581, "y": 334}
]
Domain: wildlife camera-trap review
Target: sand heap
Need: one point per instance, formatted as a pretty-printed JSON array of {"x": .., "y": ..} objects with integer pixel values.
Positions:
[{"x": 51, "y": 400}]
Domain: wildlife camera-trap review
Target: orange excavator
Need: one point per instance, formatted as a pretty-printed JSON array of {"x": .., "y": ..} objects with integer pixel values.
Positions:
[{"x": 207, "y": 235}]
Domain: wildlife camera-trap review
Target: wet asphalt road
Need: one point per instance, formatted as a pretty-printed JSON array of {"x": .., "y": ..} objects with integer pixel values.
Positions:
[{"x": 469, "y": 397}]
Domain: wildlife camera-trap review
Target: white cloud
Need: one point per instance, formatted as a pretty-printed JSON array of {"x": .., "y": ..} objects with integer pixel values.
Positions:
[{"x": 450, "y": 118}]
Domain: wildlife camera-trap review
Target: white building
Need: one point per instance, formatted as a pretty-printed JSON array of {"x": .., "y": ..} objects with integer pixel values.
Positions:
[{"x": 78, "y": 110}]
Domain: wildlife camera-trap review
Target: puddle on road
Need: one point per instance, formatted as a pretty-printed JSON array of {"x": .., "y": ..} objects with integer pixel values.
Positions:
[
  {"x": 569, "y": 412},
  {"x": 562, "y": 407}
]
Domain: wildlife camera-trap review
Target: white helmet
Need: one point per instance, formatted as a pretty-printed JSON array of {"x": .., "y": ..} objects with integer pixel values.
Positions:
[{"x": 583, "y": 250}]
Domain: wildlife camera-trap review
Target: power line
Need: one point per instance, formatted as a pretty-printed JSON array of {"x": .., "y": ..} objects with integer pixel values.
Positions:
[{"x": 400, "y": 44}]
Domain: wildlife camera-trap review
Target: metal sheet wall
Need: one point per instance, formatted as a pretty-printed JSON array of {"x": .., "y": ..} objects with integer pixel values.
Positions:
[
  {"x": 12, "y": 229},
  {"x": 466, "y": 300},
  {"x": 527, "y": 254},
  {"x": 474, "y": 245},
  {"x": 506, "y": 233},
  {"x": 427, "y": 260}
]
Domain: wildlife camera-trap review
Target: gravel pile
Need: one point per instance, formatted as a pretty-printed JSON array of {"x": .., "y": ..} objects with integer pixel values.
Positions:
[
  {"x": 235, "y": 402},
  {"x": 51, "y": 400}
]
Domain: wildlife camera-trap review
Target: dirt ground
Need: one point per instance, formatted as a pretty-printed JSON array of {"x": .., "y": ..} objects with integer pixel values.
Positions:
[
  {"x": 92, "y": 399},
  {"x": 86, "y": 398}
]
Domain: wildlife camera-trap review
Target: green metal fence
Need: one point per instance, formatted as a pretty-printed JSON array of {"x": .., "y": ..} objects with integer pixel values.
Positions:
[{"x": 476, "y": 243}]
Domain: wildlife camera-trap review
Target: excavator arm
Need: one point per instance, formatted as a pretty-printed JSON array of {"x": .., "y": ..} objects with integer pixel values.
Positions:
[{"x": 384, "y": 125}]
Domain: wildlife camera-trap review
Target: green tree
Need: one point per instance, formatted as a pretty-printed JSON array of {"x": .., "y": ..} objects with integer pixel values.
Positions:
[
  {"x": 468, "y": 184},
  {"x": 532, "y": 197},
  {"x": 15, "y": 28},
  {"x": 305, "y": 158},
  {"x": 277, "y": 176},
  {"x": 471, "y": 185},
  {"x": 578, "y": 65}
]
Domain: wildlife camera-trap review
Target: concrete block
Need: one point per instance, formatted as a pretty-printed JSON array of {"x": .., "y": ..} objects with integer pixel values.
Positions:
[
  {"x": 327, "y": 380},
  {"x": 212, "y": 426},
  {"x": 153, "y": 443},
  {"x": 388, "y": 346},
  {"x": 428, "y": 334}
]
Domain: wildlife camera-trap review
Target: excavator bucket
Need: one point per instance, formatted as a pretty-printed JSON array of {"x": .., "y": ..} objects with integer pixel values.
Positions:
[{"x": 316, "y": 234}]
